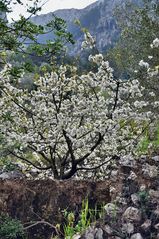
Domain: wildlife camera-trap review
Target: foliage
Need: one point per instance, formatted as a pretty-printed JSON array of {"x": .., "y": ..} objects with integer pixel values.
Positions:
[
  {"x": 139, "y": 27},
  {"x": 148, "y": 143},
  {"x": 10, "y": 228},
  {"x": 7, "y": 165},
  {"x": 21, "y": 36}
]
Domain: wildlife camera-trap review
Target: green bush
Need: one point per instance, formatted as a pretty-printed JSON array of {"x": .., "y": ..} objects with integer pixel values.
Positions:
[{"x": 11, "y": 228}]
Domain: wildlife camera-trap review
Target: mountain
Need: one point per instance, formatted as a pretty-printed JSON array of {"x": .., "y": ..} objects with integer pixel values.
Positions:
[{"x": 97, "y": 18}]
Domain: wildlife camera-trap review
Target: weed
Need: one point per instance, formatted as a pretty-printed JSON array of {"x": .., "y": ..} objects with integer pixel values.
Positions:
[{"x": 86, "y": 217}]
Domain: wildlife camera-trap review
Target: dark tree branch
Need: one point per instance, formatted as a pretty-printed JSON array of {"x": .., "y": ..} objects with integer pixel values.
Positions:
[
  {"x": 100, "y": 138},
  {"x": 28, "y": 161},
  {"x": 41, "y": 222},
  {"x": 52, "y": 154},
  {"x": 69, "y": 145},
  {"x": 19, "y": 105},
  {"x": 116, "y": 96},
  {"x": 41, "y": 153},
  {"x": 94, "y": 168}
]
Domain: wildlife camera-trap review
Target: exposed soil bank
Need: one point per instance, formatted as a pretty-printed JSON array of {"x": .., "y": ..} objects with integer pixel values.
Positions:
[{"x": 46, "y": 200}]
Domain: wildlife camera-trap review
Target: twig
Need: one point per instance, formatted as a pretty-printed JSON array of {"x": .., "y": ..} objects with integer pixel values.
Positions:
[{"x": 41, "y": 222}]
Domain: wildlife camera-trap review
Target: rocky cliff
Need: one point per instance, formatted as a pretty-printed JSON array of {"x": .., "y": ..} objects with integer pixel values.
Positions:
[{"x": 97, "y": 17}]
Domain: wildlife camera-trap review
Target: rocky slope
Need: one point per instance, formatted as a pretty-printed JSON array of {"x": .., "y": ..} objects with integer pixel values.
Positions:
[{"x": 133, "y": 212}]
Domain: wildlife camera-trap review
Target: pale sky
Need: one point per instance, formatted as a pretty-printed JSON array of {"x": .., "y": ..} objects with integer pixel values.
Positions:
[{"x": 50, "y": 6}]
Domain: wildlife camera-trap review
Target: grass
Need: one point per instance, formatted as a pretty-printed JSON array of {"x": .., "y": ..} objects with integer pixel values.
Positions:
[
  {"x": 86, "y": 217},
  {"x": 146, "y": 143}
]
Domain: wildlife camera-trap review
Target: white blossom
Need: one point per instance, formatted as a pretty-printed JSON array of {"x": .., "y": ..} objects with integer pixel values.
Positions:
[
  {"x": 144, "y": 64},
  {"x": 155, "y": 43}
]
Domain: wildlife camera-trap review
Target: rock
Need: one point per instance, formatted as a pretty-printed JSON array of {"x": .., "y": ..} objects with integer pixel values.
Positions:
[
  {"x": 121, "y": 200},
  {"x": 132, "y": 176},
  {"x": 114, "y": 175},
  {"x": 156, "y": 212},
  {"x": 89, "y": 233},
  {"x": 156, "y": 158},
  {"x": 108, "y": 229},
  {"x": 110, "y": 209},
  {"x": 142, "y": 188},
  {"x": 128, "y": 228},
  {"x": 136, "y": 236},
  {"x": 11, "y": 175},
  {"x": 127, "y": 161},
  {"x": 150, "y": 171},
  {"x": 143, "y": 158},
  {"x": 146, "y": 225},
  {"x": 132, "y": 214},
  {"x": 76, "y": 236},
  {"x": 154, "y": 194},
  {"x": 135, "y": 199},
  {"x": 112, "y": 190},
  {"x": 4, "y": 176},
  {"x": 157, "y": 226},
  {"x": 99, "y": 233}
]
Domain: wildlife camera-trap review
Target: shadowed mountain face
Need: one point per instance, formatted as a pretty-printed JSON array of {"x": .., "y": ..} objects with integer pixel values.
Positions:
[{"x": 98, "y": 18}]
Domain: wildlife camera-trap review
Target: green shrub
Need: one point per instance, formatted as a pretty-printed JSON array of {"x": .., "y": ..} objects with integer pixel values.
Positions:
[{"x": 11, "y": 228}]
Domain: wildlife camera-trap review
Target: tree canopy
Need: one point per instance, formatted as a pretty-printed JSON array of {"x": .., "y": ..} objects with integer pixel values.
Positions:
[{"x": 21, "y": 36}]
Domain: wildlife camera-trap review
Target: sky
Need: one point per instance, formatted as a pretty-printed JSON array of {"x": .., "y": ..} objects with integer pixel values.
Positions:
[{"x": 50, "y": 6}]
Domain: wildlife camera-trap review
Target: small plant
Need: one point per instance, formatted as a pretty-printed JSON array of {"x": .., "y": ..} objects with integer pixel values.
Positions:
[
  {"x": 86, "y": 216},
  {"x": 10, "y": 228}
]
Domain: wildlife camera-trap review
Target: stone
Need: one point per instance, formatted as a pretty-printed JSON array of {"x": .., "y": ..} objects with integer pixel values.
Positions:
[
  {"x": 114, "y": 175},
  {"x": 154, "y": 194},
  {"x": 156, "y": 212},
  {"x": 146, "y": 225},
  {"x": 11, "y": 175},
  {"x": 127, "y": 161},
  {"x": 128, "y": 228},
  {"x": 76, "y": 236},
  {"x": 136, "y": 236},
  {"x": 108, "y": 229},
  {"x": 89, "y": 233},
  {"x": 143, "y": 158},
  {"x": 121, "y": 200},
  {"x": 156, "y": 158},
  {"x": 99, "y": 233},
  {"x": 132, "y": 214},
  {"x": 157, "y": 226},
  {"x": 4, "y": 176},
  {"x": 110, "y": 209},
  {"x": 142, "y": 187},
  {"x": 135, "y": 199},
  {"x": 150, "y": 171},
  {"x": 132, "y": 176}
]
